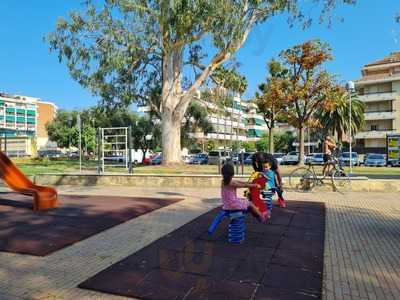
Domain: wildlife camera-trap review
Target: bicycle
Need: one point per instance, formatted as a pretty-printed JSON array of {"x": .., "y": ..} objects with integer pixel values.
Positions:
[{"x": 305, "y": 178}]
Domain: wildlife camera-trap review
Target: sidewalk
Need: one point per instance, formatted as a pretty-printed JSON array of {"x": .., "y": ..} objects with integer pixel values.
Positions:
[{"x": 361, "y": 245}]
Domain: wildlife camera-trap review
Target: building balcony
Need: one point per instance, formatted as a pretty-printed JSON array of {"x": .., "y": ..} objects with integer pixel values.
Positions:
[
  {"x": 378, "y": 96},
  {"x": 218, "y": 136},
  {"x": 380, "y": 115},
  {"x": 258, "y": 127},
  {"x": 374, "y": 134}
]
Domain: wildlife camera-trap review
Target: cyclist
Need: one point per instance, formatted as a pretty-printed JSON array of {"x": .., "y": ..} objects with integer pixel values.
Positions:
[{"x": 329, "y": 147}]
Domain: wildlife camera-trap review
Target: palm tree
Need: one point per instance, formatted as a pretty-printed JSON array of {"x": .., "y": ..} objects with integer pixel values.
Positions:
[
  {"x": 335, "y": 117},
  {"x": 196, "y": 118}
]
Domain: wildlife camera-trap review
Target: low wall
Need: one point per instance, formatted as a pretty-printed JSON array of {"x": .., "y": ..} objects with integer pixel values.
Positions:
[{"x": 360, "y": 184}]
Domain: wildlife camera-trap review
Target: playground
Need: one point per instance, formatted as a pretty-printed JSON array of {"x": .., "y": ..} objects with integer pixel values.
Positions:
[
  {"x": 356, "y": 265},
  {"x": 120, "y": 242}
]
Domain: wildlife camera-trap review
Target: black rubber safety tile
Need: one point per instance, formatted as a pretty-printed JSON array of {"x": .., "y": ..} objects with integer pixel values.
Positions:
[
  {"x": 40, "y": 233},
  {"x": 269, "y": 293},
  {"x": 277, "y": 219},
  {"x": 275, "y": 261},
  {"x": 216, "y": 267},
  {"x": 296, "y": 232},
  {"x": 210, "y": 289},
  {"x": 293, "y": 279},
  {"x": 238, "y": 251},
  {"x": 160, "y": 284},
  {"x": 267, "y": 230},
  {"x": 312, "y": 259},
  {"x": 304, "y": 243},
  {"x": 251, "y": 270}
]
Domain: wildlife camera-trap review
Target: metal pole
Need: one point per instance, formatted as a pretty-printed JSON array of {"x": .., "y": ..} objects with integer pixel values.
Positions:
[
  {"x": 242, "y": 159},
  {"x": 350, "y": 86},
  {"x": 80, "y": 142},
  {"x": 237, "y": 139},
  {"x": 98, "y": 151},
  {"x": 130, "y": 149},
  {"x": 102, "y": 150},
  {"x": 350, "y": 137}
]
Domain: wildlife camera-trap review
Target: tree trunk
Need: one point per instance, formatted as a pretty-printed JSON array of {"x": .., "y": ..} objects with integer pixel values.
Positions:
[
  {"x": 144, "y": 151},
  {"x": 301, "y": 146},
  {"x": 271, "y": 140},
  {"x": 172, "y": 114},
  {"x": 171, "y": 139}
]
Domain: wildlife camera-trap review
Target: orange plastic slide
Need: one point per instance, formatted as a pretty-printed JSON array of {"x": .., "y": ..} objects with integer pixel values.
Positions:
[{"x": 43, "y": 197}]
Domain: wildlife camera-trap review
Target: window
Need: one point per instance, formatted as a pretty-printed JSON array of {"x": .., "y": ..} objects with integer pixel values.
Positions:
[{"x": 374, "y": 127}]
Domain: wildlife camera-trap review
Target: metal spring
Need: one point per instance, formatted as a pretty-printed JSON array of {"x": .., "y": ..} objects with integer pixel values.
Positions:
[
  {"x": 267, "y": 196},
  {"x": 236, "y": 230}
]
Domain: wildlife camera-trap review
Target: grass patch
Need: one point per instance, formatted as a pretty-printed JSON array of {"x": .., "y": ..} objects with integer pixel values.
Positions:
[{"x": 32, "y": 167}]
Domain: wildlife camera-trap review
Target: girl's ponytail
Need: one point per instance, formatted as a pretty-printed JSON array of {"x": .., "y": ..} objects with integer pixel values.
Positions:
[{"x": 227, "y": 173}]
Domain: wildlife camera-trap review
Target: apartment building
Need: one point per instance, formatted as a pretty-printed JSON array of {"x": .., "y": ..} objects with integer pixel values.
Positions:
[
  {"x": 379, "y": 89},
  {"x": 236, "y": 122},
  {"x": 23, "y": 122}
]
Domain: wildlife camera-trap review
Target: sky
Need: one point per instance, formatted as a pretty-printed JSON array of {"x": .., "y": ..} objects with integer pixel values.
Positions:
[{"x": 367, "y": 33}]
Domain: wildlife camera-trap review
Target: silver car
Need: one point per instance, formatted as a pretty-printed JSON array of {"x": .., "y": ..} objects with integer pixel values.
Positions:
[{"x": 218, "y": 156}]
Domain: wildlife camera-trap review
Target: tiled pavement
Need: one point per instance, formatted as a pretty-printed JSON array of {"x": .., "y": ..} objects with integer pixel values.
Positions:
[{"x": 362, "y": 243}]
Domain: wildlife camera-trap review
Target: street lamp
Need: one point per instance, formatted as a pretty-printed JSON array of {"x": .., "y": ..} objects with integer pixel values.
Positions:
[{"x": 350, "y": 87}]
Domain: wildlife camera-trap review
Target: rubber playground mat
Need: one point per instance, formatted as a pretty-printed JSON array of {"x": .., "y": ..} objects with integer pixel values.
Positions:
[
  {"x": 78, "y": 217},
  {"x": 279, "y": 260}
]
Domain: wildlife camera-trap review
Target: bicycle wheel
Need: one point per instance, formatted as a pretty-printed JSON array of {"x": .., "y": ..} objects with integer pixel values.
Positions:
[
  {"x": 341, "y": 182},
  {"x": 302, "y": 179}
]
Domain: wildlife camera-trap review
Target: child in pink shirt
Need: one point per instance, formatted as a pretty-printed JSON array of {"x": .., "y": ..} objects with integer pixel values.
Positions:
[{"x": 228, "y": 192}]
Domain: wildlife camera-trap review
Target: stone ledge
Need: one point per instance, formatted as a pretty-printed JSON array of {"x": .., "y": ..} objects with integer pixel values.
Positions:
[{"x": 359, "y": 184}]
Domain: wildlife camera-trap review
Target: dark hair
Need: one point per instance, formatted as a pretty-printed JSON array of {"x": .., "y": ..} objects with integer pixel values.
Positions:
[
  {"x": 272, "y": 161},
  {"x": 258, "y": 162},
  {"x": 227, "y": 173}
]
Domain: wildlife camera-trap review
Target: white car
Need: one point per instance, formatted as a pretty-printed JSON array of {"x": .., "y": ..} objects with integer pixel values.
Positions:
[
  {"x": 218, "y": 156},
  {"x": 292, "y": 158},
  {"x": 278, "y": 157}
]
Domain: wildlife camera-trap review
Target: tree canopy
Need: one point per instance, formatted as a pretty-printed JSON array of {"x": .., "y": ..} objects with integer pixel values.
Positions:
[
  {"x": 271, "y": 99},
  {"x": 144, "y": 50}
]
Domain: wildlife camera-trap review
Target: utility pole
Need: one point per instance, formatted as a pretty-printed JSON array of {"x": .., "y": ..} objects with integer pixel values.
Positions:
[
  {"x": 350, "y": 88},
  {"x": 79, "y": 124}
]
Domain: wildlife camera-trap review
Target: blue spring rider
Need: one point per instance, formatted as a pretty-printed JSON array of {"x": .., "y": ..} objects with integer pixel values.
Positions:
[
  {"x": 236, "y": 228},
  {"x": 267, "y": 196}
]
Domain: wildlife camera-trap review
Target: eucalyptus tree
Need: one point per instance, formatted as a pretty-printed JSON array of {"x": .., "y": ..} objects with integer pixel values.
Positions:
[{"x": 141, "y": 50}]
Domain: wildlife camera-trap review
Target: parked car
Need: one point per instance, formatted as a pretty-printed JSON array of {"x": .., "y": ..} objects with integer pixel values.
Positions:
[
  {"x": 238, "y": 157},
  {"x": 345, "y": 159},
  {"x": 149, "y": 159},
  {"x": 278, "y": 157},
  {"x": 199, "y": 159},
  {"x": 375, "y": 160},
  {"x": 218, "y": 156},
  {"x": 188, "y": 158},
  {"x": 249, "y": 159},
  {"x": 73, "y": 154},
  {"x": 317, "y": 159},
  {"x": 291, "y": 158},
  {"x": 308, "y": 158},
  {"x": 51, "y": 153},
  {"x": 157, "y": 160}
]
